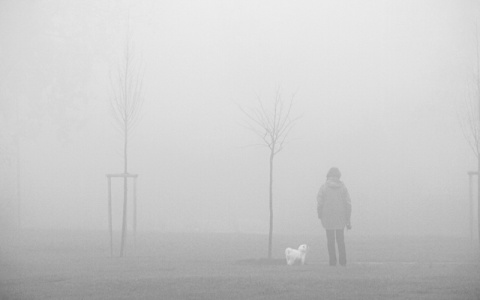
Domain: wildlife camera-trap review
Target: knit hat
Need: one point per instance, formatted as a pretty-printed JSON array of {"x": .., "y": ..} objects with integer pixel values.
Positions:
[{"x": 334, "y": 172}]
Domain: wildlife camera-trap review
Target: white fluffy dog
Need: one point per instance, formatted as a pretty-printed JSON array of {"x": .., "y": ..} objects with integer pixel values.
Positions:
[{"x": 292, "y": 255}]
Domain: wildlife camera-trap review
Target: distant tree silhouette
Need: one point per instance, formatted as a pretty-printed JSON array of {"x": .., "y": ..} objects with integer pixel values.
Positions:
[
  {"x": 273, "y": 127},
  {"x": 126, "y": 102},
  {"x": 470, "y": 122}
]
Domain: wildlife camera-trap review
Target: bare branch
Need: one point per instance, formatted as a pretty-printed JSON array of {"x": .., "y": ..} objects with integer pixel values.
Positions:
[
  {"x": 127, "y": 99},
  {"x": 469, "y": 118},
  {"x": 274, "y": 126}
]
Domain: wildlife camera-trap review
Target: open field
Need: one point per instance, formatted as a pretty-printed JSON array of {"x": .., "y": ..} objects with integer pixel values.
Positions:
[{"x": 77, "y": 265}]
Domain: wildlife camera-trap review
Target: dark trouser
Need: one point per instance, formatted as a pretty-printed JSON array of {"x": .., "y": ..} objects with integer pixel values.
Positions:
[{"x": 332, "y": 235}]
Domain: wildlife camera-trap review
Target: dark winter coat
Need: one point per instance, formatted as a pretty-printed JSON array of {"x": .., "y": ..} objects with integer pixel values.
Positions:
[{"x": 334, "y": 206}]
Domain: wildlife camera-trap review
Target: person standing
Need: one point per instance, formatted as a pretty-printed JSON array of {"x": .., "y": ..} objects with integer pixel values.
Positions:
[{"x": 334, "y": 209}]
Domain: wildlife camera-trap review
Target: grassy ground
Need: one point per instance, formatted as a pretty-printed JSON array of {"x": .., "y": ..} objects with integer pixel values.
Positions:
[{"x": 69, "y": 265}]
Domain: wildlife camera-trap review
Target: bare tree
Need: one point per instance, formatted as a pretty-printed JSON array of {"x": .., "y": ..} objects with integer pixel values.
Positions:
[
  {"x": 126, "y": 102},
  {"x": 470, "y": 122},
  {"x": 50, "y": 94},
  {"x": 273, "y": 127}
]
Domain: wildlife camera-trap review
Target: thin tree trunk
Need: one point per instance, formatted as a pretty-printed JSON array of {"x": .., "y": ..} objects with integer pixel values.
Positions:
[
  {"x": 125, "y": 194},
  {"x": 19, "y": 186},
  {"x": 478, "y": 151},
  {"x": 19, "y": 176},
  {"x": 270, "y": 233},
  {"x": 470, "y": 198},
  {"x": 125, "y": 157},
  {"x": 135, "y": 211},
  {"x": 478, "y": 204},
  {"x": 110, "y": 227},
  {"x": 125, "y": 148}
]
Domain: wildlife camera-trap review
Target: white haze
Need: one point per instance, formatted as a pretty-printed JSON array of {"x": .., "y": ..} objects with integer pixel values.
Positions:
[{"x": 378, "y": 86}]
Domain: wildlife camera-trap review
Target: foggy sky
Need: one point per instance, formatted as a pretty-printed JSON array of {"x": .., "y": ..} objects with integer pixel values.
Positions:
[{"x": 378, "y": 86}]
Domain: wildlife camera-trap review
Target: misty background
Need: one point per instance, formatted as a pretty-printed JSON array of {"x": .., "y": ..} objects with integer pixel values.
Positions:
[{"x": 379, "y": 86}]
